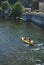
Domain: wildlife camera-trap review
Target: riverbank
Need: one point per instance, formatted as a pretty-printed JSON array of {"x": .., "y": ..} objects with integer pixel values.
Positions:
[{"x": 34, "y": 17}]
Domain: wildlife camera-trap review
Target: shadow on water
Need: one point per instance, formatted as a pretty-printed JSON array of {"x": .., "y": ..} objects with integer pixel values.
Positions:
[{"x": 12, "y": 49}]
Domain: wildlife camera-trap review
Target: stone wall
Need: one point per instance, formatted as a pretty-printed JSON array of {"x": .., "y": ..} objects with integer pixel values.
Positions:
[
  {"x": 26, "y": 17},
  {"x": 38, "y": 19}
]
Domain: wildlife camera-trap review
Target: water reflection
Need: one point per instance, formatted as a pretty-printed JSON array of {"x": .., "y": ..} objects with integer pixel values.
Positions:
[{"x": 12, "y": 49}]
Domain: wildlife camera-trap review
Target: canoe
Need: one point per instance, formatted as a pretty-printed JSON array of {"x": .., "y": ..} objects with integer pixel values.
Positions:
[{"x": 26, "y": 41}]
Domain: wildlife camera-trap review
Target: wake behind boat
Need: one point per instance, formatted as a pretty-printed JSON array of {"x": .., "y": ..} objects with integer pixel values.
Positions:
[{"x": 27, "y": 41}]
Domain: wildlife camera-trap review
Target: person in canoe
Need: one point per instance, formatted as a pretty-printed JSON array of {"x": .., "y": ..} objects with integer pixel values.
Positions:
[
  {"x": 28, "y": 41},
  {"x": 31, "y": 42},
  {"x": 25, "y": 38}
]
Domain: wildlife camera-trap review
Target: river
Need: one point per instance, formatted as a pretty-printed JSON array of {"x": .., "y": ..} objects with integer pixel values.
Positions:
[{"x": 13, "y": 51}]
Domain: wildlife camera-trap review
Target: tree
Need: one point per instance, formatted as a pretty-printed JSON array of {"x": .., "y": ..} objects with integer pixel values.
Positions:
[
  {"x": 12, "y": 1},
  {"x": 26, "y": 2},
  {"x": 35, "y": 4},
  {"x": 17, "y": 10},
  {"x": 5, "y": 5}
]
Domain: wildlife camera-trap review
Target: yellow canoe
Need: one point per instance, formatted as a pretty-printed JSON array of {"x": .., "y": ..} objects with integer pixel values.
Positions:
[{"x": 27, "y": 41}]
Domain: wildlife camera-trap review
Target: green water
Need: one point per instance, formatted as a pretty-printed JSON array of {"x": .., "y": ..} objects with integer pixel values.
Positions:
[{"x": 12, "y": 49}]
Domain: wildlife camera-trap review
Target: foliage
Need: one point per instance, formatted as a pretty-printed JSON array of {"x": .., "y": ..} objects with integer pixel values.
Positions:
[
  {"x": 4, "y": 0},
  {"x": 35, "y": 4},
  {"x": 5, "y": 5},
  {"x": 0, "y": 9},
  {"x": 12, "y": 1},
  {"x": 23, "y": 8},
  {"x": 17, "y": 9}
]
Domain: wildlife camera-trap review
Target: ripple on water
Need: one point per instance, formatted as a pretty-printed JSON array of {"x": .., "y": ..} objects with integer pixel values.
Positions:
[{"x": 12, "y": 50}]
